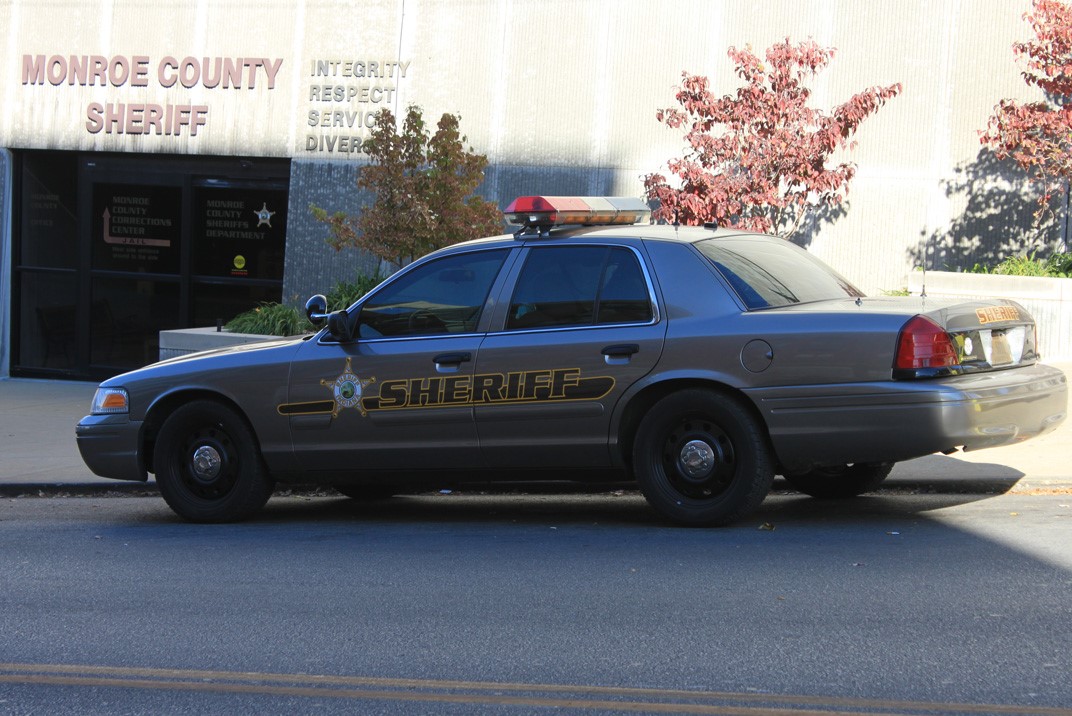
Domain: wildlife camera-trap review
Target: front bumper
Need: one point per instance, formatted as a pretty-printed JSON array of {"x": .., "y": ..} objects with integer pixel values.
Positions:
[
  {"x": 821, "y": 425},
  {"x": 110, "y": 446}
]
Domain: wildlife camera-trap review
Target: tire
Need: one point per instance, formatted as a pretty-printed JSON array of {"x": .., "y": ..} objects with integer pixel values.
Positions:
[
  {"x": 227, "y": 481},
  {"x": 702, "y": 459},
  {"x": 842, "y": 481},
  {"x": 366, "y": 493}
]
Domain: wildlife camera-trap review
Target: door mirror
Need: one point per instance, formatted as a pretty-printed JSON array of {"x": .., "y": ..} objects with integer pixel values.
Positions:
[
  {"x": 339, "y": 326},
  {"x": 316, "y": 309}
]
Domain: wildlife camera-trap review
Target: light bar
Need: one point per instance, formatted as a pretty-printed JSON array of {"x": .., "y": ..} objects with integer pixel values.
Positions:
[{"x": 583, "y": 210}]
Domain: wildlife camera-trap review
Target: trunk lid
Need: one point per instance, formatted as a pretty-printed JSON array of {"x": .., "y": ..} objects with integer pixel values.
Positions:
[{"x": 988, "y": 334}]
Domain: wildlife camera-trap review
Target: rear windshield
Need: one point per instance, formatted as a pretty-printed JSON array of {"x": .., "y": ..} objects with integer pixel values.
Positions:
[{"x": 767, "y": 273}]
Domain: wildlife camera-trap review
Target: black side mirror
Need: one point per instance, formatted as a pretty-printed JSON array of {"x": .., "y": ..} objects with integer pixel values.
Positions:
[
  {"x": 339, "y": 326},
  {"x": 316, "y": 309}
]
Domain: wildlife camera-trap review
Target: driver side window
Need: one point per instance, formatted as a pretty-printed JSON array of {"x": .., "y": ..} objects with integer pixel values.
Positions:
[{"x": 440, "y": 297}]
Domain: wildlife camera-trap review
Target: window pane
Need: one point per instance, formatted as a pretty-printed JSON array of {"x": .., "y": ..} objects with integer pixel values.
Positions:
[
  {"x": 240, "y": 232},
  {"x": 126, "y": 317},
  {"x": 444, "y": 296},
  {"x": 623, "y": 295},
  {"x": 136, "y": 227},
  {"x": 223, "y": 302},
  {"x": 49, "y": 226},
  {"x": 774, "y": 273},
  {"x": 48, "y": 322},
  {"x": 557, "y": 287}
]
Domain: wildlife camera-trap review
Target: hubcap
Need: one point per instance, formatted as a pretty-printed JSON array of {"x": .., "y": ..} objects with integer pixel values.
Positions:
[
  {"x": 207, "y": 463},
  {"x": 697, "y": 459}
]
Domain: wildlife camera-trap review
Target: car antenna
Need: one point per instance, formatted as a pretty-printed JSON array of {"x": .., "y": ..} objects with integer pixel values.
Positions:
[{"x": 923, "y": 285}]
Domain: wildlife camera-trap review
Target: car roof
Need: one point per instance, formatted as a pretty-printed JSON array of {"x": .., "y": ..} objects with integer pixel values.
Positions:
[{"x": 657, "y": 232}]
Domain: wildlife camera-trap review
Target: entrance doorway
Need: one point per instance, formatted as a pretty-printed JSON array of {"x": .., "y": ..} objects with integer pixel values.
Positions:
[{"x": 112, "y": 249}]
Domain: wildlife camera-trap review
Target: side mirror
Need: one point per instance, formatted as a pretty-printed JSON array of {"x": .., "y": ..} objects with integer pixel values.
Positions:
[
  {"x": 339, "y": 326},
  {"x": 316, "y": 309}
]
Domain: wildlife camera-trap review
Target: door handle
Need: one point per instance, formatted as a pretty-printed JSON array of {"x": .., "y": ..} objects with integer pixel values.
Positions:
[
  {"x": 452, "y": 358},
  {"x": 621, "y": 350}
]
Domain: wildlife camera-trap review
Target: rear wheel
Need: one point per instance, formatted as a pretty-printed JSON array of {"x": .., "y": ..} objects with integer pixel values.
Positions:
[
  {"x": 208, "y": 465},
  {"x": 701, "y": 458},
  {"x": 841, "y": 481}
]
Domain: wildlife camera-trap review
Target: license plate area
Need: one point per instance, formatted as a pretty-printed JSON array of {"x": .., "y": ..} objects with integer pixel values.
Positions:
[{"x": 994, "y": 347}]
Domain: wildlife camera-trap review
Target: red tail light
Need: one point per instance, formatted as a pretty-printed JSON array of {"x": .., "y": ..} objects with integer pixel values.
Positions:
[{"x": 925, "y": 349}]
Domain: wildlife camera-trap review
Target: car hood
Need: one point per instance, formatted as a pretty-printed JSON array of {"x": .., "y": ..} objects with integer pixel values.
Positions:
[{"x": 249, "y": 354}]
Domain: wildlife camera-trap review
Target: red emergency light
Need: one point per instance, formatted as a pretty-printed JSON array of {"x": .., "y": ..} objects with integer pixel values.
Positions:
[{"x": 545, "y": 211}]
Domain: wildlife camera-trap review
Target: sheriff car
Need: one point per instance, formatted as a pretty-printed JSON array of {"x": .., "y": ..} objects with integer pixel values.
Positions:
[{"x": 589, "y": 345}]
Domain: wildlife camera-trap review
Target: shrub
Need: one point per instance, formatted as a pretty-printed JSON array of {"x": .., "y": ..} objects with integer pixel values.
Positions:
[
  {"x": 276, "y": 319},
  {"x": 270, "y": 319},
  {"x": 344, "y": 293},
  {"x": 1056, "y": 266}
]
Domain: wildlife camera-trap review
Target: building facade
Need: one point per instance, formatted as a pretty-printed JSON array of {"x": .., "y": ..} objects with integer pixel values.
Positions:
[{"x": 158, "y": 160}]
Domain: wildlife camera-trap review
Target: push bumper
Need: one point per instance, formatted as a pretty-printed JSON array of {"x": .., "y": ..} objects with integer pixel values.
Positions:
[
  {"x": 899, "y": 420},
  {"x": 109, "y": 445}
]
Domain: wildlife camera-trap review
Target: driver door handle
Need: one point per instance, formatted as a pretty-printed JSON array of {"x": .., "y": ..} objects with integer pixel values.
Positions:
[{"x": 452, "y": 358}]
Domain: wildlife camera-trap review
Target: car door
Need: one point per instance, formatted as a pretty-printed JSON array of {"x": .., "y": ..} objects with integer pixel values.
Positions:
[
  {"x": 580, "y": 327},
  {"x": 395, "y": 397}
]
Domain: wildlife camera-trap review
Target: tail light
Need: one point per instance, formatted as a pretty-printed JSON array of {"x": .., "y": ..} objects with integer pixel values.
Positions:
[{"x": 924, "y": 350}]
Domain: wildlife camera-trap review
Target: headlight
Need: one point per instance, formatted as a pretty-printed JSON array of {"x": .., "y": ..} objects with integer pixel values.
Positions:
[{"x": 110, "y": 400}]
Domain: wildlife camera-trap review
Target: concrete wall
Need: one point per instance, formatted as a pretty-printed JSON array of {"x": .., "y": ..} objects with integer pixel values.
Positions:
[
  {"x": 1048, "y": 300},
  {"x": 560, "y": 94}
]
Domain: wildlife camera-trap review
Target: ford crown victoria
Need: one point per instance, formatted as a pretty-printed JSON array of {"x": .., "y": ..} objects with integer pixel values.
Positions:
[{"x": 590, "y": 345}]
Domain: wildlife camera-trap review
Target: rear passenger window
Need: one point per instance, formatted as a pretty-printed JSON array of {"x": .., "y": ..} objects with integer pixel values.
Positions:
[{"x": 579, "y": 286}]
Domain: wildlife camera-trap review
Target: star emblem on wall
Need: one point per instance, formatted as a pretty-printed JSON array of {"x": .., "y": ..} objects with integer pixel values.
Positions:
[{"x": 264, "y": 216}]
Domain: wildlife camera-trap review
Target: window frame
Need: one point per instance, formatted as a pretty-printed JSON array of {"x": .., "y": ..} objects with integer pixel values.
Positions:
[{"x": 483, "y": 319}]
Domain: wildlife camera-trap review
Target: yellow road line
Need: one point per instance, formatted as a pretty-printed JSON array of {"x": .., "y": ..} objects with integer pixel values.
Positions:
[{"x": 483, "y": 692}]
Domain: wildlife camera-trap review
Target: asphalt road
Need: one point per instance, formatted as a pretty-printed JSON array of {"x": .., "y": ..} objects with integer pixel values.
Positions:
[{"x": 896, "y": 603}]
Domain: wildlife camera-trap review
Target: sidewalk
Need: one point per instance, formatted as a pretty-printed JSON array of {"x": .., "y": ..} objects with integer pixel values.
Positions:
[
  {"x": 37, "y": 442},
  {"x": 37, "y": 419}
]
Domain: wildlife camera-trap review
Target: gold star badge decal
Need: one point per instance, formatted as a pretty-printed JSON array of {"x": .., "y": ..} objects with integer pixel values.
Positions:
[{"x": 347, "y": 389}]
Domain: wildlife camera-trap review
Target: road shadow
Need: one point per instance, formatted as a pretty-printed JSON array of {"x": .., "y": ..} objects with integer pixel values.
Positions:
[{"x": 626, "y": 508}]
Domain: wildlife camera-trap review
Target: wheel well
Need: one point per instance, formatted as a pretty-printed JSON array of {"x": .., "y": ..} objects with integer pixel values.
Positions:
[
  {"x": 643, "y": 401},
  {"x": 167, "y": 405}
]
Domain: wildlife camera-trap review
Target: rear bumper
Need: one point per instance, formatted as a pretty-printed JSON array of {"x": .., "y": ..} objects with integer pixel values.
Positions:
[
  {"x": 109, "y": 446},
  {"x": 899, "y": 420}
]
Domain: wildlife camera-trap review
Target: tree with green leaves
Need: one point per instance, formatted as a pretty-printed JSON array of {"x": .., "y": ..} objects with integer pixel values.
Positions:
[{"x": 424, "y": 186}]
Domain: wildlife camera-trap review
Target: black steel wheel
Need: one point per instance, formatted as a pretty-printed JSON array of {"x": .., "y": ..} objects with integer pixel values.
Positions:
[
  {"x": 701, "y": 458},
  {"x": 208, "y": 466},
  {"x": 841, "y": 481}
]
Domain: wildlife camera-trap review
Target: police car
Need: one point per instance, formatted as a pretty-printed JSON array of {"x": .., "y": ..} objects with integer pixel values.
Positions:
[{"x": 589, "y": 345}]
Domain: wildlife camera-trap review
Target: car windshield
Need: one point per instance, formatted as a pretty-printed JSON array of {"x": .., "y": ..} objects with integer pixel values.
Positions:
[{"x": 767, "y": 274}]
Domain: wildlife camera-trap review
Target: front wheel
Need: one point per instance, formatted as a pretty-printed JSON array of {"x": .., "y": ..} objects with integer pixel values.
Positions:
[
  {"x": 208, "y": 466},
  {"x": 841, "y": 481},
  {"x": 701, "y": 458}
]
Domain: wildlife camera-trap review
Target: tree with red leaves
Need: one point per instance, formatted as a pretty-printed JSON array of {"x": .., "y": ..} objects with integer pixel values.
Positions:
[
  {"x": 758, "y": 159},
  {"x": 423, "y": 184},
  {"x": 1038, "y": 135}
]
